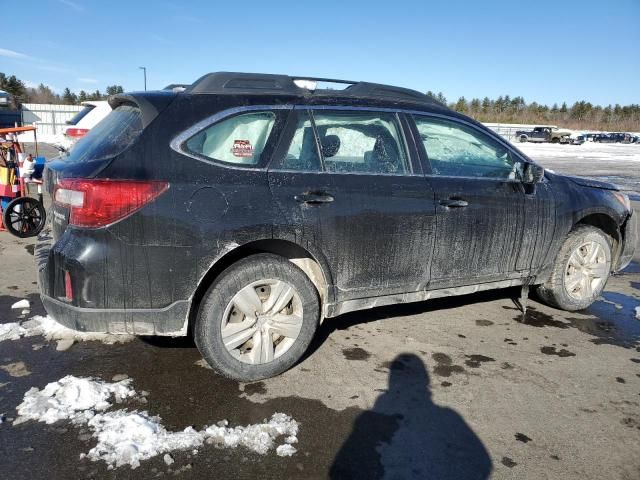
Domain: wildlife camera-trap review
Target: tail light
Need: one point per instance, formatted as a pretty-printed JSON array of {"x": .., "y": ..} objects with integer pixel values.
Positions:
[
  {"x": 68, "y": 288},
  {"x": 76, "y": 132},
  {"x": 96, "y": 203}
]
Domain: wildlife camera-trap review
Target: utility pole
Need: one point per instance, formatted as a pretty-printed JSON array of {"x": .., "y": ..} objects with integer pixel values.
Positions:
[{"x": 144, "y": 70}]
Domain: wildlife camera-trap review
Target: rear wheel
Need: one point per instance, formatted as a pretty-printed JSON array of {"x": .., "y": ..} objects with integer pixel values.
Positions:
[
  {"x": 581, "y": 270},
  {"x": 24, "y": 217},
  {"x": 523, "y": 138},
  {"x": 257, "y": 319}
]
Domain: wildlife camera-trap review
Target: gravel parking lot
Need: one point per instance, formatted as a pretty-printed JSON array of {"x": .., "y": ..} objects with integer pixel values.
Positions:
[{"x": 456, "y": 388}]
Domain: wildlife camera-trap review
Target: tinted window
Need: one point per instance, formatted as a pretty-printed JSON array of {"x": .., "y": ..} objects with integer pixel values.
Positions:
[
  {"x": 362, "y": 142},
  {"x": 458, "y": 150},
  {"x": 239, "y": 140},
  {"x": 110, "y": 137},
  {"x": 303, "y": 151},
  {"x": 80, "y": 115}
]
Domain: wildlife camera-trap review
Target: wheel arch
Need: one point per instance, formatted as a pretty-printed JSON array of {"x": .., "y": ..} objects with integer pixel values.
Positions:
[
  {"x": 312, "y": 264},
  {"x": 608, "y": 225}
]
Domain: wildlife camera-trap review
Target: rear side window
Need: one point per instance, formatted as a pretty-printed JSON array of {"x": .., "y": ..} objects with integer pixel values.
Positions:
[
  {"x": 112, "y": 136},
  {"x": 80, "y": 115},
  {"x": 237, "y": 140},
  {"x": 360, "y": 142}
]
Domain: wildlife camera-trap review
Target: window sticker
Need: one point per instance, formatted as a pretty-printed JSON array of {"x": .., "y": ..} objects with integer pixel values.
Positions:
[{"x": 242, "y": 148}]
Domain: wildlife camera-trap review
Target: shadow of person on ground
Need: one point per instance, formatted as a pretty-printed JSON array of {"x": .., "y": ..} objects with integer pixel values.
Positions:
[{"x": 406, "y": 435}]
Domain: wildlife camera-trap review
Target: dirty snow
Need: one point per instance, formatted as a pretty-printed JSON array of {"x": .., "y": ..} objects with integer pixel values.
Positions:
[
  {"x": 53, "y": 331},
  {"x": 71, "y": 398},
  {"x": 128, "y": 437}
]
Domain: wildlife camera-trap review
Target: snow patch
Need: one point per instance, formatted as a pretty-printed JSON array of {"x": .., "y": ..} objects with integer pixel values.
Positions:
[
  {"x": 24, "y": 303},
  {"x": 638, "y": 313},
  {"x": 71, "y": 398},
  {"x": 285, "y": 450},
  {"x": 129, "y": 437},
  {"x": 52, "y": 330}
]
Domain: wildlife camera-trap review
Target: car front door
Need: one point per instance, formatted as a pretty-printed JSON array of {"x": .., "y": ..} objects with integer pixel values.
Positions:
[
  {"x": 348, "y": 185},
  {"x": 480, "y": 209}
]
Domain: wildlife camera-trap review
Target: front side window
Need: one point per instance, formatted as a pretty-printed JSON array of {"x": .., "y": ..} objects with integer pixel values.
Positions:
[
  {"x": 457, "y": 150},
  {"x": 360, "y": 142},
  {"x": 237, "y": 140}
]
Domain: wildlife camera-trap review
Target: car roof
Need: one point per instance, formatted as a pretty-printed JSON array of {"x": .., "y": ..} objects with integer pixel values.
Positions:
[{"x": 237, "y": 83}]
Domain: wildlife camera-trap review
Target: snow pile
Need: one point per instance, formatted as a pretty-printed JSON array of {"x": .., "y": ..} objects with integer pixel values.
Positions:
[
  {"x": 52, "y": 330},
  {"x": 12, "y": 331},
  {"x": 259, "y": 437},
  {"x": 128, "y": 437},
  {"x": 638, "y": 313},
  {"x": 71, "y": 398}
]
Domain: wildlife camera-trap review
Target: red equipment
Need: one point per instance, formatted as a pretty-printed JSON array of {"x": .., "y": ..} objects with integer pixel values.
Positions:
[{"x": 22, "y": 216}]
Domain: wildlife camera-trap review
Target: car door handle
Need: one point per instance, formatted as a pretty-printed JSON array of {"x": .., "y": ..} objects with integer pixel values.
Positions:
[
  {"x": 313, "y": 198},
  {"x": 454, "y": 203}
]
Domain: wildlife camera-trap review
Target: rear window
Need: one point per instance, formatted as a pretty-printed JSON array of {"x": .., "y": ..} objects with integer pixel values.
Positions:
[
  {"x": 110, "y": 137},
  {"x": 80, "y": 115}
]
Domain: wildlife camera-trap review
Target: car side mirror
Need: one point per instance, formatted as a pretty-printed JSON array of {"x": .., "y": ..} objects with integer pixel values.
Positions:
[{"x": 532, "y": 173}]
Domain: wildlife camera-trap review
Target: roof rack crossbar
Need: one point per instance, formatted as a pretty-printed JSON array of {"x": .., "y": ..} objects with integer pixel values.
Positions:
[{"x": 327, "y": 80}]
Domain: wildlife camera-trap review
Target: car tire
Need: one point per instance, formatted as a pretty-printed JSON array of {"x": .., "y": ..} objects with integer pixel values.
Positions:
[
  {"x": 576, "y": 260},
  {"x": 249, "y": 292},
  {"x": 555, "y": 140},
  {"x": 523, "y": 139}
]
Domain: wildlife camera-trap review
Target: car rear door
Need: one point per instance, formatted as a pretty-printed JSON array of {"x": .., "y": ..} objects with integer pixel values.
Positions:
[
  {"x": 479, "y": 203},
  {"x": 349, "y": 187}
]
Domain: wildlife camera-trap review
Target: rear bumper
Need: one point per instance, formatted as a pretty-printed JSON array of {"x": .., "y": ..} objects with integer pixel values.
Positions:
[
  {"x": 168, "y": 321},
  {"x": 53, "y": 259},
  {"x": 630, "y": 237}
]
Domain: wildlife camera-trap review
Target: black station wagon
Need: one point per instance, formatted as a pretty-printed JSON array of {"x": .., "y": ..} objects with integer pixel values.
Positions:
[{"x": 248, "y": 208}]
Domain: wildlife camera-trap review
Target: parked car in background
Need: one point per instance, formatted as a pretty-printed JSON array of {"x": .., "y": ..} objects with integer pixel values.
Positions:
[
  {"x": 81, "y": 123},
  {"x": 604, "y": 138},
  {"x": 544, "y": 134},
  {"x": 578, "y": 139},
  {"x": 614, "y": 137},
  {"x": 247, "y": 209}
]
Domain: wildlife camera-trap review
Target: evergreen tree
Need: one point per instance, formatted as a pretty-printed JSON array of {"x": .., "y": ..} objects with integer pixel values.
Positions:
[
  {"x": 68, "y": 97},
  {"x": 114, "y": 89},
  {"x": 461, "y": 105},
  {"x": 14, "y": 87},
  {"x": 82, "y": 96}
]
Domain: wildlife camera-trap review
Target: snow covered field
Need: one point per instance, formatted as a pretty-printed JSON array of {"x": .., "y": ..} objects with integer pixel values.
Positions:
[
  {"x": 609, "y": 152},
  {"x": 610, "y": 162}
]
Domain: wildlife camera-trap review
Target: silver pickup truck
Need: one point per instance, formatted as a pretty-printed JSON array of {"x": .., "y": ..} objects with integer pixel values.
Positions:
[{"x": 544, "y": 134}]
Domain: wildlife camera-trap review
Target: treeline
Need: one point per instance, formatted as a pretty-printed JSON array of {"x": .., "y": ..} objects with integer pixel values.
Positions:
[
  {"x": 580, "y": 115},
  {"x": 20, "y": 93}
]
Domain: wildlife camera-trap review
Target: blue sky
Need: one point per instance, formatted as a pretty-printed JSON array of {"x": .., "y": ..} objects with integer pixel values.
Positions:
[{"x": 548, "y": 51}]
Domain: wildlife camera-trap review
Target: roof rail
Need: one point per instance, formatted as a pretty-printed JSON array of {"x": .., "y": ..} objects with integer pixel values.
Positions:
[{"x": 235, "y": 82}]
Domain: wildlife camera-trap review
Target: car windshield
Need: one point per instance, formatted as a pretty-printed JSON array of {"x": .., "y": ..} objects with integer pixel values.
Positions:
[{"x": 111, "y": 136}]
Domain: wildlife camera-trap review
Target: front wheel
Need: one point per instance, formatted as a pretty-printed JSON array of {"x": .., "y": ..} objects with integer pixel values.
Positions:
[
  {"x": 257, "y": 319},
  {"x": 580, "y": 271},
  {"x": 24, "y": 217}
]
